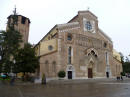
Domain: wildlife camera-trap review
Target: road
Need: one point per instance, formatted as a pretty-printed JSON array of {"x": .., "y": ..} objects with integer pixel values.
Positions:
[{"x": 71, "y": 88}]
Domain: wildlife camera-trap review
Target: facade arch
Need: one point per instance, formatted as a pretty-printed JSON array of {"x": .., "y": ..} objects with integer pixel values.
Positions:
[{"x": 91, "y": 51}]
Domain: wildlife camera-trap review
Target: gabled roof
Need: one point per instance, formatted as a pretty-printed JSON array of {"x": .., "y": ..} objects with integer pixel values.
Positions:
[
  {"x": 73, "y": 18},
  {"x": 49, "y": 32},
  {"x": 105, "y": 35},
  {"x": 46, "y": 35},
  {"x": 79, "y": 12}
]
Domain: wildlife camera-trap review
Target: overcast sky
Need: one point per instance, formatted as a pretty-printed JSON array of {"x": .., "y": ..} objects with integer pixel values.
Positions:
[{"x": 113, "y": 17}]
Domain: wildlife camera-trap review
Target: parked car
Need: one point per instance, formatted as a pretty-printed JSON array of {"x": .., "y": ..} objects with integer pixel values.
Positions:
[{"x": 4, "y": 76}]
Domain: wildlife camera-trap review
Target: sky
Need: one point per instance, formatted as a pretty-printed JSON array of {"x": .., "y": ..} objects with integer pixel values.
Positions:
[{"x": 113, "y": 17}]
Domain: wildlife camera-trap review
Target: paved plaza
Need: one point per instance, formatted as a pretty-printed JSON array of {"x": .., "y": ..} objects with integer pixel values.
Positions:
[{"x": 69, "y": 88}]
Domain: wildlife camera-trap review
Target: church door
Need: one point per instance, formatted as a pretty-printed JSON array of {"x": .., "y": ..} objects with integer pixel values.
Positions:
[
  {"x": 69, "y": 74},
  {"x": 90, "y": 73},
  {"x": 107, "y": 74}
]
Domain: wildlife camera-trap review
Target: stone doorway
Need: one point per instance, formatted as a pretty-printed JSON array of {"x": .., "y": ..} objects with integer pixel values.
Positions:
[
  {"x": 107, "y": 74},
  {"x": 90, "y": 73},
  {"x": 69, "y": 74},
  {"x": 90, "y": 68}
]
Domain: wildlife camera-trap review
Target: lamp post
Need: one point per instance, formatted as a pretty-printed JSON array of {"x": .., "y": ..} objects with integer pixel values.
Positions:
[{"x": 12, "y": 74}]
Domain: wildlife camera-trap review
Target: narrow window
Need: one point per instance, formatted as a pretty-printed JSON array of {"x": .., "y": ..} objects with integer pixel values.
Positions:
[
  {"x": 107, "y": 58},
  {"x": 53, "y": 66},
  {"x": 47, "y": 66},
  {"x": 69, "y": 37},
  {"x": 105, "y": 45},
  {"x": 69, "y": 55},
  {"x": 23, "y": 20}
]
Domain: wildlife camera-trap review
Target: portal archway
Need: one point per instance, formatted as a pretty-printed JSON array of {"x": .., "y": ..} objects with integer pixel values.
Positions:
[{"x": 91, "y": 51}]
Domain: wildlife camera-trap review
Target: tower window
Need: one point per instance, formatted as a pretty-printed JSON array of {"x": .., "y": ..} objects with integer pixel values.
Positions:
[
  {"x": 9, "y": 21},
  {"x": 23, "y": 20}
]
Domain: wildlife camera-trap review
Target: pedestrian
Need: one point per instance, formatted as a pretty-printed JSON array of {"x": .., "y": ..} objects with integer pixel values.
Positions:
[
  {"x": 44, "y": 79},
  {"x": 12, "y": 80},
  {"x": 118, "y": 78},
  {"x": 126, "y": 74},
  {"x": 121, "y": 78}
]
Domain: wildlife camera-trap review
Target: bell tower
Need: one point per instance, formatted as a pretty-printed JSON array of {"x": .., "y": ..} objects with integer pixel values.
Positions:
[{"x": 22, "y": 25}]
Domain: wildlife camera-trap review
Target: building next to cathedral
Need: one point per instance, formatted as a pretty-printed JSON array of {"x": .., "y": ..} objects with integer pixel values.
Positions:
[
  {"x": 80, "y": 48},
  {"x": 22, "y": 25}
]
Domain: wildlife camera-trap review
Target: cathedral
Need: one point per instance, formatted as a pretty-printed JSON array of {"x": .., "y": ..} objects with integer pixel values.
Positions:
[{"x": 80, "y": 48}]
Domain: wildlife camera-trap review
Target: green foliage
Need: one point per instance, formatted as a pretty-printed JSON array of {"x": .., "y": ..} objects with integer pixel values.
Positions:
[
  {"x": 8, "y": 79},
  {"x": 123, "y": 73},
  {"x": 61, "y": 74},
  {"x": 126, "y": 67},
  {"x": 26, "y": 60},
  {"x": 9, "y": 45},
  {"x": 127, "y": 59}
]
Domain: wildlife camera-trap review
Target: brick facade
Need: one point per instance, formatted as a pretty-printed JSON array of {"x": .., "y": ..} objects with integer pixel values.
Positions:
[{"x": 83, "y": 50}]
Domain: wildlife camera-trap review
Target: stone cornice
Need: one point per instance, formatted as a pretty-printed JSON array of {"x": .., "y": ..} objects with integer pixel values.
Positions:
[{"x": 68, "y": 26}]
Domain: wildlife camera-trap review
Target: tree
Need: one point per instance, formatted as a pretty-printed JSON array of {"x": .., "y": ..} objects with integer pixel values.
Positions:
[
  {"x": 126, "y": 67},
  {"x": 127, "y": 59},
  {"x": 26, "y": 60},
  {"x": 0, "y": 68},
  {"x": 9, "y": 45},
  {"x": 1, "y": 41}
]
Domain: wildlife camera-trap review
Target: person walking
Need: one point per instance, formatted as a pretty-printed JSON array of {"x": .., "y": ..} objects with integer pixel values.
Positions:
[
  {"x": 44, "y": 79},
  {"x": 12, "y": 80},
  {"x": 121, "y": 78}
]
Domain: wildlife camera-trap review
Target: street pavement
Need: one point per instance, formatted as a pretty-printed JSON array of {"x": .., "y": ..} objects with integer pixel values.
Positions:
[{"x": 69, "y": 88}]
